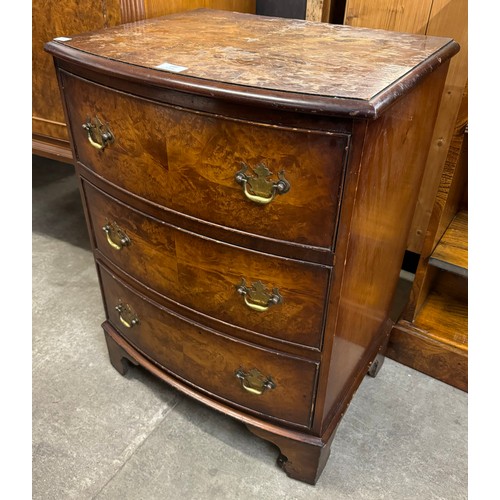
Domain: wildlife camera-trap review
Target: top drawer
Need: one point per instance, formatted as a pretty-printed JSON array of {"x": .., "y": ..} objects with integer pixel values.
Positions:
[{"x": 211, "y": 167}]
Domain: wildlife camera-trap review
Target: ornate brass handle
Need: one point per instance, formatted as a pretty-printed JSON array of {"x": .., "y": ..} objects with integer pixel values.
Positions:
[
  {"x": 254, "y": 382},
  {"x": 127, "y": 316},
  {"x": 117, "y": 239},
  {"x": 98, "y": 134},
  {"x": 257, "y": 297},
  {"x": 258, "y": 189}
]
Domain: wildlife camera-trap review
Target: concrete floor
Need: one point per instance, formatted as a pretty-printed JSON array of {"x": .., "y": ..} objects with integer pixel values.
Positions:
[{"x": 98, "y": 435}]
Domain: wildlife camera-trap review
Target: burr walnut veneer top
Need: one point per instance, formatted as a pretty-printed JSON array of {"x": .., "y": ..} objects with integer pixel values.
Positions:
[{"x": 266, "y": 54}]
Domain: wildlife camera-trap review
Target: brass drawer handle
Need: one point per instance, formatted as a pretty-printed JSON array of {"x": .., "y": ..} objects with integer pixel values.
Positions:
[
  {"x": 98, "y": 134},
  {"x": 254, "y": 382},
  {"x": 127, "y": 316},
  {"x": 258, "y": 189},
  {"x": 257, "y": 297},
  {"x": 116, "y": 237}
]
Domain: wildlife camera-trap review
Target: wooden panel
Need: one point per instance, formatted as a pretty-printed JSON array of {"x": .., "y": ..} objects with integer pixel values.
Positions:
[
  {"x": 203, "y": 274},
  {"x": 412, "y": 347},
  {"x": 55, "y": 149},
  {"x": 396, "y": 15},
  {"x": 444, "y": 319},
  {"x": 187, "y": 162},
  {"x": 132, "y": 10},
  {"x": 453, "y": 184},
  {"x": 446, "y": 204},
  {"x": 232, "y": 5},
  {"x": 434, "y": 338},
  {"x": 54, "y": 18},
  {"x": 452, "y": 252},
  {"x": 209, "y": 360},
  {"x": 378, "y": 232},
  {"x": 436, "y": 341},
  {"x": 430, "y": 17},
  {"x": 156, "y": 8},
  {"x": 448, "y": 18},
  {"x": 445, "y": 175},
  {"x": 318, "y": 10}
]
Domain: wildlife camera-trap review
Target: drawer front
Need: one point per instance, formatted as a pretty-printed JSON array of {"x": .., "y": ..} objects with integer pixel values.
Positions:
[
  {"x": 265, "y": 381},
  {"x": 194, "y": 163},
  {"x": 205, "y": 275}
]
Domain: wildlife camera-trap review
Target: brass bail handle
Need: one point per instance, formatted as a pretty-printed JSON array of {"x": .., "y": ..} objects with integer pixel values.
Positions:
[
  {"x": 98, "y": 134},
  {"x": 257, "y": 296},
  {"x": 115, "y": 236},
  {"x": 258, "y": 188},
  {"x": 254, "y": 381},
  {"x": 127, "y": 316}
]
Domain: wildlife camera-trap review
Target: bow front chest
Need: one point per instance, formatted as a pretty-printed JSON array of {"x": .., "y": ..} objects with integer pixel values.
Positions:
[{"x": 248, "y": 184}]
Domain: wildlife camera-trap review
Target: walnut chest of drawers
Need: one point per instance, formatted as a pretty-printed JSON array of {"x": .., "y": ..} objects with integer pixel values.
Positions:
[{"x": 248, "y": 184}]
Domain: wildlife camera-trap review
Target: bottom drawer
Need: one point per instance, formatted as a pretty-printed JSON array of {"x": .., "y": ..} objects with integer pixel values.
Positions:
[{"x": 266, "y": 382}]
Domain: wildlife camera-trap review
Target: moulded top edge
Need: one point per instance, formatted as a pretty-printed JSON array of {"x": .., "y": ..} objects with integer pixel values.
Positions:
[{"x": 286, "y": 63}]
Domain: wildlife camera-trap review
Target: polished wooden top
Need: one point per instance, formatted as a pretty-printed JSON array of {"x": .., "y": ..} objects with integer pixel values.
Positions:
[{"x": 268, "y": 54}]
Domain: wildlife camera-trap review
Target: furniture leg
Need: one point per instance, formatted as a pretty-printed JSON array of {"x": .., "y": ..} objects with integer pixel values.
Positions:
[
  {"x": 376, "y": 365},
  {"x": 301, "y": 460},
  {"x": 118, "y": 356}
]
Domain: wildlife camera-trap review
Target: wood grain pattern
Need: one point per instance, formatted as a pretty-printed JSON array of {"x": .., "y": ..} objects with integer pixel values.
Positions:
[
  {"x": 49, "y": 147},
  {"x": 318, "y": 10},
  {"x": 203, "y": 274},
  {"x": 157, "y": 8},
  {"x": 132, "y": 10},
  {"x": 430, "y": 17},
  {"x": 394, "y": 154},
  {"x": 452, "y": 251},
  {"x": 209, "y": 360},
  {"x": 447, "y": 203},
  {"x": 444, "y": 320},
  {"x": 435, "y": 206},
  {"x": 179, "y": 174},
  {"x": 122, "y": 353},
  {"x": 450, "y": 18},
  {"x": 423, "y": 348},
  {"x": 303, "y": 57},
  {"x": 53, "y": 18},
  {"x": 187, "y": 162},
  {"x": 314, "y": 10},
  {"x": 412, "y": 347},
  {"x": 436, "y": 341},
  {"x": 453, "y": 184},
  {"x": 396, "y": 15}
]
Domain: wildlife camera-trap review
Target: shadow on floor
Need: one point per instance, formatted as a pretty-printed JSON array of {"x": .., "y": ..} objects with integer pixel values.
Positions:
[{"x": 56, "y": 206}]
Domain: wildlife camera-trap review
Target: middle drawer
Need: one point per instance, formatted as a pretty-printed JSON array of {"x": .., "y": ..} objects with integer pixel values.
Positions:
[{"x": 268, "y": 295}]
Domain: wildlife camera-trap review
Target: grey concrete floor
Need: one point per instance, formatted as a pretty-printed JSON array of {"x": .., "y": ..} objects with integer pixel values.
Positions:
[{"x": 98, "y": 435}]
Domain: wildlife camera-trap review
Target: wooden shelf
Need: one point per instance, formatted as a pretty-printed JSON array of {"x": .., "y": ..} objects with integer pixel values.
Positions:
[
  {"x": 452, "y": 251},
  {"x": 444, "y": 319},
  {"x": 436, "y": 341},
  {"x": 413, "y": 347}
]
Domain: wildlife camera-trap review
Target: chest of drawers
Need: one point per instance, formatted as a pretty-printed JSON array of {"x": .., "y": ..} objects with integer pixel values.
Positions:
[{"x": 248, "y": 184}]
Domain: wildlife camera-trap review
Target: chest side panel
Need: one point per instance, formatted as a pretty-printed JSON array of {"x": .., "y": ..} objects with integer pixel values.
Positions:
[{"x": 392, "y": 165}]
